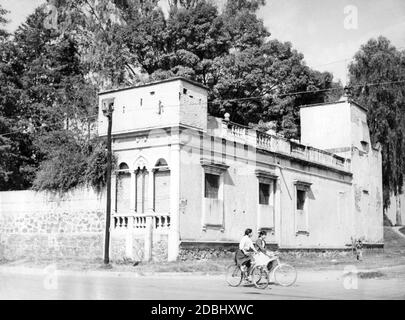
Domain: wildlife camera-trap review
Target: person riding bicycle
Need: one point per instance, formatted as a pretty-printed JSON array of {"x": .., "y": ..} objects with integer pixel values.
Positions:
[
  {"x": 261, "y": 242},
  {"x": 264, "y": 256},
  {"x": 244, "y": 257}
]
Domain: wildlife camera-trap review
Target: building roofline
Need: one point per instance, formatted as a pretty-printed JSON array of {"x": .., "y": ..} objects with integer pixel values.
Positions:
[
  {"x": 358, "y": 104},
  {"x": 336, "y": 102},
  {"x": 195, "y": 83}
]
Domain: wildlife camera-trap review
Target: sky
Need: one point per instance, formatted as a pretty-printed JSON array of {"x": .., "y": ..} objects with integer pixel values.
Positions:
[{"x": 327, "y": 32}]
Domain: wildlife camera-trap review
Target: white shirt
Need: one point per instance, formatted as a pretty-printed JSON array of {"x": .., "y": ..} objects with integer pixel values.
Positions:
[{"x": 246, "y": 243}]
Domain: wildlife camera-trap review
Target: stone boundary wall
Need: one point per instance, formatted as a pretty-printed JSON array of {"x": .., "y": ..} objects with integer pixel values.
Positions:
[
  {"x": 51, "y": 226},
  {"x": 44, "y": 225}
]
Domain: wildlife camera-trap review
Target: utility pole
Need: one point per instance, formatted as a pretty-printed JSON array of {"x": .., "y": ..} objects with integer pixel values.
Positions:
[{"x": 108, "y": 108}]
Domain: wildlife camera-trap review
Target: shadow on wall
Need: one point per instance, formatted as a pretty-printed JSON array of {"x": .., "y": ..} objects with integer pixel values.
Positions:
[{"x": 310, "y": 194}]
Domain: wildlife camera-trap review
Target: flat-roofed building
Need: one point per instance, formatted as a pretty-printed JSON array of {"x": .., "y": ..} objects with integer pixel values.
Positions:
[{"x": 195, "y": 181}]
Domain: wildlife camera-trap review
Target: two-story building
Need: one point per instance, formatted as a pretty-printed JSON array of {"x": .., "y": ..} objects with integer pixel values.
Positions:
[{"x": 191, "y": 180}]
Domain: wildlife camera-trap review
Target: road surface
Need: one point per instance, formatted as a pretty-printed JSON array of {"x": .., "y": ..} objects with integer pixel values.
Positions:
[{"x": 107, "y": 285}]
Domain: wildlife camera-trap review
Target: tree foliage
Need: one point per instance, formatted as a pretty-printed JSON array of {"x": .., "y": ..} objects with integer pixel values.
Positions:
[
  {"x": 3, "y": 21},
  {"x": 53, "y": 65},
  {"x": 266, "y": 75},
  {"x": 378, "y": 61},
  {"x": 16, "y": 171},
  {"x": 43, "y": 90}
]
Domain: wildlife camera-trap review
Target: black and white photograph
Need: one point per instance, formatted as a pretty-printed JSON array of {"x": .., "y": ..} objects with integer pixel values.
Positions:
[{"x": 206, "y": 151}]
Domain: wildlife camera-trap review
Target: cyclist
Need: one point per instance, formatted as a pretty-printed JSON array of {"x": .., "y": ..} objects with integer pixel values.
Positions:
[
  {"x": 244, "y": 257},
  {"x": 261, "y": 242},
  {"x": 264, "y": 257}
]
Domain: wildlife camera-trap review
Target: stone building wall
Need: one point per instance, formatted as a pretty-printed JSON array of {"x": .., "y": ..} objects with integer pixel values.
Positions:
[{"x": 203, "y": 251}]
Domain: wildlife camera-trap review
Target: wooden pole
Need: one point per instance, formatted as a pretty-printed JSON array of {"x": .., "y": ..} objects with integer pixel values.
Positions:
[{"x": 108, "y": 211}]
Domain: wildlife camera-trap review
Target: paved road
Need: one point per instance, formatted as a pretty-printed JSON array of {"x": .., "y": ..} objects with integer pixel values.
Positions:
[{"x": 309, "y": 285}]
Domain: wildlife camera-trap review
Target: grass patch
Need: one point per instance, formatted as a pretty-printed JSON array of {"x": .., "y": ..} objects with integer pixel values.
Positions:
[{"x": 393, "y": 254}]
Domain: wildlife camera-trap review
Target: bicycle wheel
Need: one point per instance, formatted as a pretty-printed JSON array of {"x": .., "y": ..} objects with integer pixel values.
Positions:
[
  {"x": 234, "y": 275},
  {"x": 260, "y": 277},
  {"x": 285, "y": 275}
]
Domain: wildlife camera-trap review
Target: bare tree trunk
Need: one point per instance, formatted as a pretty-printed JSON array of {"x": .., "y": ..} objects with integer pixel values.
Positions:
[{"x": 398, "y": 210}]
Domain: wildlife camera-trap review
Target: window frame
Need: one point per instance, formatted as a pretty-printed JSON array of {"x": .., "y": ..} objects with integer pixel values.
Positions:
[
  {"x": 208, "y": 166},
  {"x": 304, "y": 187},
  {"x": 270, "y": 178}
]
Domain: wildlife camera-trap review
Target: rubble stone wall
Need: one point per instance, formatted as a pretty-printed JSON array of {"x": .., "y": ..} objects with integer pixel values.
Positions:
[{"x": 46, "y": 225}]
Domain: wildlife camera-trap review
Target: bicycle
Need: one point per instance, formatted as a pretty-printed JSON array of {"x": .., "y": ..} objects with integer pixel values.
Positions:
[
  {"x": 283, "y": 274},
  {"x": 235, "y": 275}
]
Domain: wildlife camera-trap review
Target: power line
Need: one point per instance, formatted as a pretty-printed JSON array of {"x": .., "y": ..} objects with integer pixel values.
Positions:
[
  {"x": 342, "y": 60},
  {"x": 57, "y": 122},
  {"x": 311, "y": 91},
  {"x": 142, "y": 108}
]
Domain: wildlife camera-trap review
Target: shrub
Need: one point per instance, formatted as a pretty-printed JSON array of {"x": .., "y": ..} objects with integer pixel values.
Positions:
[{"x": 71, "y": 161}]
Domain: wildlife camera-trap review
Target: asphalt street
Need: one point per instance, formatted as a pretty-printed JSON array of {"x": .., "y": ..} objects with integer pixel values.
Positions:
[{"x": 105, "y": 285}]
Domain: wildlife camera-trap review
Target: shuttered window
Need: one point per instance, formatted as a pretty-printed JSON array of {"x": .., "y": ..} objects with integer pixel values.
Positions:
[
  {"x": 211, "y": 186},
  {"x": 301, "y": 195},
  {"x": 302, "y": 208},
  {"x": 264, "y": 193}
]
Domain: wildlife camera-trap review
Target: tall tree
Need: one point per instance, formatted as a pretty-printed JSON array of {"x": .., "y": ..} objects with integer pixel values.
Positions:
[
  {"x": 97, "y": 28},
  {"x": 43, "y": 90},
  {"x": 242, "y": 23},
  {"x": 3, "y": 21},
  {"x": 378, "y": 61},
  {"x": 256, "y": 83},
  {"x": 15, "y": 161}
]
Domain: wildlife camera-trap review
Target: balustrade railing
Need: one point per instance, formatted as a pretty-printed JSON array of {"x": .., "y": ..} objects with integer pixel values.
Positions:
[
  {"x": 237, "y": 132},
  {"x": 138, "y": 222},
  {"x": 281, "y": 145}
]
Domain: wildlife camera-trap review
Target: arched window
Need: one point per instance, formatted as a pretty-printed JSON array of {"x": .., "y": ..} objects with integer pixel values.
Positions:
[
  {"x": 123, "y": 166},
  {"x": 123, "y": 189},
  {"x": 161, "y": 201},
  {"x": 161, "y": 163}
]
